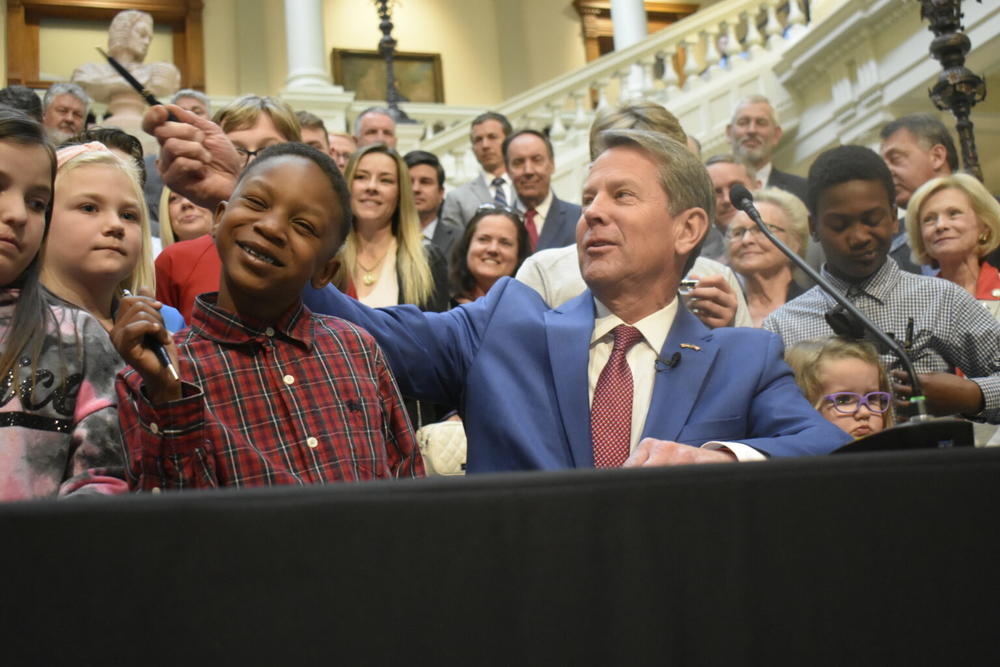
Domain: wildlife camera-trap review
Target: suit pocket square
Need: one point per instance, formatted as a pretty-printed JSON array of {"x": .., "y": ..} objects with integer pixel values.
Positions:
[{"x": 698, "y": 433}]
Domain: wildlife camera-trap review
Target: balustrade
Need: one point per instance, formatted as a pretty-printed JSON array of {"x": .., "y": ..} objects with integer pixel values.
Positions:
[{"x": 703, "y": 50}]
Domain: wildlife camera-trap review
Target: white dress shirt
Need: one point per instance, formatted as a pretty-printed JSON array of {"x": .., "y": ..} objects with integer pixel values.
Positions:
[
  {"x": 508, "y": 187},
  {"x": 642, "y": 360},
  {"x": 763, "y": 174},
  {"x": 542, "y": 208},
  {"x": 428, "y": 230}
]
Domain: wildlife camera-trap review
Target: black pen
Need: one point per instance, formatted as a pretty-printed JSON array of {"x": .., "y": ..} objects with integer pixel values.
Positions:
[
  {"x": 132, "y": 81},
  {"x": 157, "y": 347}
]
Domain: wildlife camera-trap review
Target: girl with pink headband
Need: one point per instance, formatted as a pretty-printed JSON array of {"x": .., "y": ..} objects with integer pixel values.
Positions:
[{"x": 100, "y": 245}]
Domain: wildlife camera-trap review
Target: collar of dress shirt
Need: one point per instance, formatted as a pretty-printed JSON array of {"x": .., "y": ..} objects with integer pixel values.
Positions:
[
  {"x": 878, "y": 285},
  {"x": 654, "y": 327},
  {"x": 763, "y": 174},
  {"x": 543, "y": 208},
  {"x": 428, "y": 230},
  {"x": 488, "y": 178},
  {"x": 224, "y": 327}
]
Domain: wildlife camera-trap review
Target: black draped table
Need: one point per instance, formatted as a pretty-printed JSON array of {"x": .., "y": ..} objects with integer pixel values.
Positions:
[{"x": 868, "y": 559}]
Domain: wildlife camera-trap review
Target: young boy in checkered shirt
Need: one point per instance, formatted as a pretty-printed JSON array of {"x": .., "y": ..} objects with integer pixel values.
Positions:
[{"x": 269, "y": 393}]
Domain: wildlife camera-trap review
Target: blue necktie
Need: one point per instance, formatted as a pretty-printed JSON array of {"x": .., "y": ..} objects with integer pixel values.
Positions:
[{"x": 500, "y": 199}]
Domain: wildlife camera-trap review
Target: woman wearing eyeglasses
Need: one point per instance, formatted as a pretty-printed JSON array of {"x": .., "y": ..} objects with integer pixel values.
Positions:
[
  {"x": 765, "y": 271},
  {"x": 843, "y": 380},
  {"x": 494, "y": 245},
  {"x": 384, "y": 261}
]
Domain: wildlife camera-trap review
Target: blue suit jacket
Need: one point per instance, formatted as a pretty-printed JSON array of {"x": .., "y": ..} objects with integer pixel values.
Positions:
[{"x": 517, "y": 371}]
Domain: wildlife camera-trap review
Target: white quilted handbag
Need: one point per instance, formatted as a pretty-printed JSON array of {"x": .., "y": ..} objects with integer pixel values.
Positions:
[{"x": 443, "y": 446}]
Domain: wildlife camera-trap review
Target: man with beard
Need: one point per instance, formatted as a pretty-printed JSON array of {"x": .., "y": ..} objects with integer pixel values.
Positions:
[
  {"x": 754, "y": 133},
  {"x": 64, "y": 111}
]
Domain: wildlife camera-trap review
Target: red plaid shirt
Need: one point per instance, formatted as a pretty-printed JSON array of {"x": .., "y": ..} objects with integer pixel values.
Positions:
[{"x": 308, "y": 400}]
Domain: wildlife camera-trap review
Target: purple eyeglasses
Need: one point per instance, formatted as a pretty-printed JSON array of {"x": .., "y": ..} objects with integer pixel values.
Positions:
[{"x": 849, "y": 402}]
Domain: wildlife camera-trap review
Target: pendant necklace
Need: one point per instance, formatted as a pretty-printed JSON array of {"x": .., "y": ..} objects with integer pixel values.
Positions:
[{"x": 369, "y": 276}]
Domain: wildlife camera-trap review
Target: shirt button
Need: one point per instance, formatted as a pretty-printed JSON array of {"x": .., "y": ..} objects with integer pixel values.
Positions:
[
  {"x": 269, "y": 332},
  {"x": 154, "y": 428},
  {"x": 288, "y": 379},
  {"x": 312, "y": 442}
]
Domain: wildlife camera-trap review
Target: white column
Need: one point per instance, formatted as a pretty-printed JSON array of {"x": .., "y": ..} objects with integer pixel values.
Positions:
[
  {"x": 629, "y": 20},
  {"x": 304, "y": 37}
]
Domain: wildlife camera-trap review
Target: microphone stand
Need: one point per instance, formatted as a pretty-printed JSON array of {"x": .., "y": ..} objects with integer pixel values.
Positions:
[{"x": 743, "y": 200}]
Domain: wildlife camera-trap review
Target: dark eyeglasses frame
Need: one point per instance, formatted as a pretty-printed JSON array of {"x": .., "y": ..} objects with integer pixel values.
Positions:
[
  {"x": 754, "y": 231},
  {"x": 248, "y": 154}
]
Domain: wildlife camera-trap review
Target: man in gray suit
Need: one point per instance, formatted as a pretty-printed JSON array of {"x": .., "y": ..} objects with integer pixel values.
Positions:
[
  {"x": 754, "y": 134},
  {"x": 551, "y": 222},
  {"x": 427, "y": 178},
  {"x": 489, "y": 130}
]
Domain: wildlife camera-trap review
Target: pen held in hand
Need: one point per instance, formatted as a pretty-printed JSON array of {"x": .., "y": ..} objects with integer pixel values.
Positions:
[
  {"x": 132, "y": 81},
  {"x": 161, "y": 352}
]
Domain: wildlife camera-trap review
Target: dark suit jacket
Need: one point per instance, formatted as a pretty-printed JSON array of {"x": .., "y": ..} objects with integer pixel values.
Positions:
[
  {"x": 900, "y": 250},
  {"x": 797, "y": 185},
  {"x": 152, "y": 191},
  {"x": 517, "y": 371},
  {"x": 559, "y": 229},
  {"x": 439, "y": 273},
  {"x": 445, "y": 236}
]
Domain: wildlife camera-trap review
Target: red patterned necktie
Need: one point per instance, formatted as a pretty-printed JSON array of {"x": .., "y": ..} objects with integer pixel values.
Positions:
[
  {"x": 611, "y": 411},
  {"x": 529, "y": 224}
]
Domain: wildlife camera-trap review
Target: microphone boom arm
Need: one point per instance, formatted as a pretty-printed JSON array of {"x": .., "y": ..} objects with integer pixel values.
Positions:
[{"x": 741, "y": 199}]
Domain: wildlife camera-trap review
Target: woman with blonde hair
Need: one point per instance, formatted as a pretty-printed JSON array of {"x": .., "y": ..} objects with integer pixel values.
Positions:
[
  {"x": 384, "y": 260},
  {"x": 100, "y": 245},
  {"x": 953, "y": 222},
  {"x": 181, "y": 219}
]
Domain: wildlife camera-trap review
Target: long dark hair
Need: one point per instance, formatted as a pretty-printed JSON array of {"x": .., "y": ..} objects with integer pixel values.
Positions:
[
  {"x": 32, "y": 313},
  {"x": 462, "y": 281}
]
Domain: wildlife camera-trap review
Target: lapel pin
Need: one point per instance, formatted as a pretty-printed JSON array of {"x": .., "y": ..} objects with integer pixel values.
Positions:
[{"x": 689, "y": 346}]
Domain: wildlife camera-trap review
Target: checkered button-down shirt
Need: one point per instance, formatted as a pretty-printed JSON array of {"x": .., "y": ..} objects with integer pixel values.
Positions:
[
  {"x": 306, "y": 400},
  {"x": 950, "y": 329}
]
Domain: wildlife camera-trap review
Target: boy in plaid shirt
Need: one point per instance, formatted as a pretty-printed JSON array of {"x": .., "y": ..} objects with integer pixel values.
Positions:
[{"x": 270, "y": 393}]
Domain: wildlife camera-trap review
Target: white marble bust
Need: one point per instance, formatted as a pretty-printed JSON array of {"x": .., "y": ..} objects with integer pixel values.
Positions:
[{"x": 128, "y": 42}]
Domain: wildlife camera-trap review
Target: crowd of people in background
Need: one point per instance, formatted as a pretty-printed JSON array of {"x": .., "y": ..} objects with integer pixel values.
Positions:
[{"x": 320, "y": 297}]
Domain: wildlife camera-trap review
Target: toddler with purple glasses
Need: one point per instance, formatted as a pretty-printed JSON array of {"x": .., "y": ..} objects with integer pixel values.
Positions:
[{"x": 844, "y": 381}]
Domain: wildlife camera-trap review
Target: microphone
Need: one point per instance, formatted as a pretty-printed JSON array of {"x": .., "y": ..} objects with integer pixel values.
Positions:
[
  {"x": 741, "y": 198},
  {"x": 667, "y": 364},
  {"x": 840, "y": 322}
]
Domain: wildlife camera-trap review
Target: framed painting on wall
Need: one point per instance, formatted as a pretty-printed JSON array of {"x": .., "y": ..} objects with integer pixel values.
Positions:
[{"x": 418, "y": 75}]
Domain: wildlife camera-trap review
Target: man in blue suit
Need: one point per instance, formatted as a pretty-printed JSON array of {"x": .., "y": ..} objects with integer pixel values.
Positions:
[
  {"x": 530, "y": 161},
  {"x": 524, "y": 377}
]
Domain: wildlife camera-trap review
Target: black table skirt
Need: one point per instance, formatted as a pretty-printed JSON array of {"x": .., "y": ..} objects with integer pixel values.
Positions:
[{"x": 867, "y": 559}]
